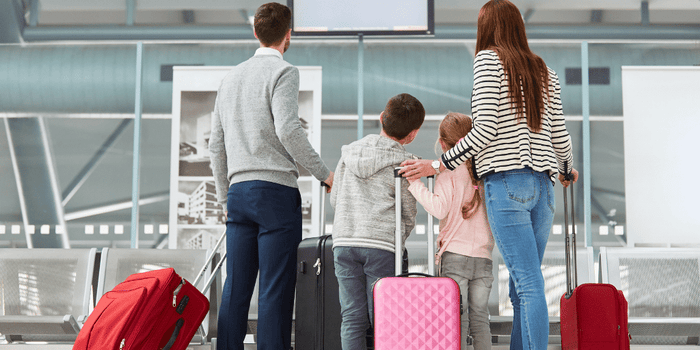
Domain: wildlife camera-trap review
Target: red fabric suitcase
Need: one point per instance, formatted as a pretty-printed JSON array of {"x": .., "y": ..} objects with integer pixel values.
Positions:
[
  {"x": 593, "y": 315},
  {"x": 151, "y": 310},
  {"x": 416, "y": 313}
]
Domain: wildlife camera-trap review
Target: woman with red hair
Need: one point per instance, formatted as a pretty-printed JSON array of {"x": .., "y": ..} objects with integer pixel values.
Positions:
[{"x": 519, "y": 144}]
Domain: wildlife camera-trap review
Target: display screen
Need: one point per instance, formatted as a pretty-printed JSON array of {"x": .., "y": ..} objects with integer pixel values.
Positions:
[{"x": 366, "y": 17}]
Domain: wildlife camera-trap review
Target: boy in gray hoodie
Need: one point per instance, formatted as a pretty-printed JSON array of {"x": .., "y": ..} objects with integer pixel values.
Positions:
[{"x": 363, "y": 196}]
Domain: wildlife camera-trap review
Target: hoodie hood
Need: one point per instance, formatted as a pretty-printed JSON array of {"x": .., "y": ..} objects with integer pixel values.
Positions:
[{"x": 373, "y": 153}]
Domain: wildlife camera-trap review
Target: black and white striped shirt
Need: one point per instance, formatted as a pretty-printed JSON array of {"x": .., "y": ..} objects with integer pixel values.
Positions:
[{"x": 499, "y": 140}]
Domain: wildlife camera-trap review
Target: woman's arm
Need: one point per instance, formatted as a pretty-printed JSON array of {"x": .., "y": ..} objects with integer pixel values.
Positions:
[
  {"x": 488, "y": 73},
  {"x": 561, "y": 140}
]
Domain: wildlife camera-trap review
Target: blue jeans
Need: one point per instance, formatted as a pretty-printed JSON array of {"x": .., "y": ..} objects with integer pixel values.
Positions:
[
  {"x": 263, "y": 232},
  {"x": 357, "y": 269},
  {"x": 520, "y": 206},
  {"x": 475, "y": 278}
]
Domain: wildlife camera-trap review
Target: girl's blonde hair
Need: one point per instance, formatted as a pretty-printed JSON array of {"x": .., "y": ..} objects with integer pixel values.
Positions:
[{"x": 452, "y": 128}]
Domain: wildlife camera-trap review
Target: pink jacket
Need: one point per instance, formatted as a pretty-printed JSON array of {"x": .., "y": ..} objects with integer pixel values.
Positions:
[{"x": 470, "y": 237}]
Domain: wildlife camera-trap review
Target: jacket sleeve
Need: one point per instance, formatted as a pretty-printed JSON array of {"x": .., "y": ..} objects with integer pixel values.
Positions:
[
  {"x": 485, "y": 104},
  {"x": 285, "y": 111},
  {"x": 337, "y": 181},
  {"x": 408, "y": 209}
]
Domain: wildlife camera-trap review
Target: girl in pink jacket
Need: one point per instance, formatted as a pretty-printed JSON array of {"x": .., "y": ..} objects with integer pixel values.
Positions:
[{"x": 465, "y": 242}]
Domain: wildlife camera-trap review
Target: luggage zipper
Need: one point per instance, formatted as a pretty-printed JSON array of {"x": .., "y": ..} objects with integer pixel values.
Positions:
[
  {"x": 121, "y": 346},
  {"x": 177, "y": 290}
]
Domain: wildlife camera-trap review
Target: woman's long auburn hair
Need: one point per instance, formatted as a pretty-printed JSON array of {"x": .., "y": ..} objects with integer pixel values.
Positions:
[
  {"x": 452, "y": 128},
  {"x": 501, "y": 28}
]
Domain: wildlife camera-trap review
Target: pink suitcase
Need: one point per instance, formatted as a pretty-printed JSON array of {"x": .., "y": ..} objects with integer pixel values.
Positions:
[{"x": 412, "y": 313}]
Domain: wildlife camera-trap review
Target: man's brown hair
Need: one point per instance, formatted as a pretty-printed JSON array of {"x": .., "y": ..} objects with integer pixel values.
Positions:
[
  {"x": 402, "y": 114},
  {"x": 272, "y": 22}
]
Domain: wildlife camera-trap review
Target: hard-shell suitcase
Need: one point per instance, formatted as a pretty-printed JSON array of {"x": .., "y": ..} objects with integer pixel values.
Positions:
[
  {"x": 317, "y": 321},
  {"x": 317, "y": 324},
  {"x": 593, "y": 315},
  {"x": 151, "y": 310},
  {"x": 416, "y": 313}
]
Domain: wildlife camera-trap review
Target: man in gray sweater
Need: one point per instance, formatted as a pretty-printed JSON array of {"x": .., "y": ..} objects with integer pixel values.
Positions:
[
  {"x": 364, "y": 224},
  {"x": 256, "y": 141}
]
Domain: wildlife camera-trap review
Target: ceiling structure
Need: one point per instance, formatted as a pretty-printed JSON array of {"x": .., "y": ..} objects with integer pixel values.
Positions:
[{"x": 447, "y": 12}]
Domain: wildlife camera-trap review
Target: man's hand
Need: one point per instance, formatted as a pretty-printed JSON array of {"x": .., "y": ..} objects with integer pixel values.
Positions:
[
  {"x": 566, "y": 183},
  {"x": 329, "y": 182}
]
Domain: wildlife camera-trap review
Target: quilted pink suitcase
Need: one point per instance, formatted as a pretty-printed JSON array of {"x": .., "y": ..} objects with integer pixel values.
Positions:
[{"x": 415, "y": 313}]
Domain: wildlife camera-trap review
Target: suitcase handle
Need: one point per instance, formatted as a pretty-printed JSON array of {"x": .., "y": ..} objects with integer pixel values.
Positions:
[
  {"x": 414, "y": 274},
  {"x": 322, "y": 231},
  {"x": 176, "y": 332},
  {"x": 570, "y": 240}
]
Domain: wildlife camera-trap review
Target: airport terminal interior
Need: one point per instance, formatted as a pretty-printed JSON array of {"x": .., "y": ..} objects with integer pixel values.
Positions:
[{"x": 106, "y": 111}]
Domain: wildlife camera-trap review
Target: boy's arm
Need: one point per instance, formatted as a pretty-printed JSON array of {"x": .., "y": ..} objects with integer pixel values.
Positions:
[
  {"x": 408, "y": 208},
  {"x": 337, "y": 181}
]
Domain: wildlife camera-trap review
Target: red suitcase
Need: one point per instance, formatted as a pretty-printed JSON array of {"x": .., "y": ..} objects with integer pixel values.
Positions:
[
  {"x": 416, "y": 313},
  {"x": 151, "y": 310},
  {"x": 593, "y": 315}
]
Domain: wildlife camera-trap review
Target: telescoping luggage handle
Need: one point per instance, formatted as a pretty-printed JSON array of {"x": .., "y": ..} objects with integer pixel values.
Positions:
[
  {"x": 570, "y": 241},
  {"x": 398, "y": 234},
  {"x": 322, "y": 229}
]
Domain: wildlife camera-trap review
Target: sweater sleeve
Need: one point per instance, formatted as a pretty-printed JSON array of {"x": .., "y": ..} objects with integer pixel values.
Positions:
[
  {"x": 219, "y": 160},
  {"x": 285, "y": 111},
  {"x": 561, "y": 140},
  {"x": 436, "y": 204},
  {"x": 408, "y": 209},
  {"x": 485, "y": 103}
]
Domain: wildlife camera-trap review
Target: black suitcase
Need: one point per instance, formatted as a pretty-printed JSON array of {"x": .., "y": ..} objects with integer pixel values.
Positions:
[
  {"x": 317, "y": 320},
  {"x": 317, "y": 323}
]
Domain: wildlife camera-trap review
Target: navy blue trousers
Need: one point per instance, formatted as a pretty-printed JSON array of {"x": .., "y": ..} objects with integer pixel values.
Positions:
[{"x": 263, "y": 232}]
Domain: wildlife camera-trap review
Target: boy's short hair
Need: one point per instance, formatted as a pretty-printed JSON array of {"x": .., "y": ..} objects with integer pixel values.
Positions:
[
  {"x": 272, "y": 21},
  {"x": 402, "y": 114}
]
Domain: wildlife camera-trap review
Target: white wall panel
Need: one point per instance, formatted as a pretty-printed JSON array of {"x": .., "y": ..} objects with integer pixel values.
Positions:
[{"x": 662, "y": 145}]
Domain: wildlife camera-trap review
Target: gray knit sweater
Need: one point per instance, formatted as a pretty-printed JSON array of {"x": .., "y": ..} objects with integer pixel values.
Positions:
[
  {"x": 363, "y": 194},
  {"x": 256, "y": 132}
]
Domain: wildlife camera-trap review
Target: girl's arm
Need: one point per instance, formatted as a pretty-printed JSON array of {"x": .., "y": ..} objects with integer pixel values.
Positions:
[
  {"x": 485, "y": 103},
  {"x": 436, "y": 204}
]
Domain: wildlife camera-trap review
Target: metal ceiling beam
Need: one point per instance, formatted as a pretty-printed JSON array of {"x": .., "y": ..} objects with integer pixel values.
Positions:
[
  {"x": 84, "y": 173},
  {"x": 116, "y": 206},
  {"x": 130, "y": 12},
  {"x": 33, "y": 13},
  {"x": 245, "y": 32},
  {"x": 586, "y": 32},
  {"x": 139, "y": 33},
  {"x": 11, "y": 21},
  {"x": 645, "y": 13},
  {"x": 37, "y": 185}
]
